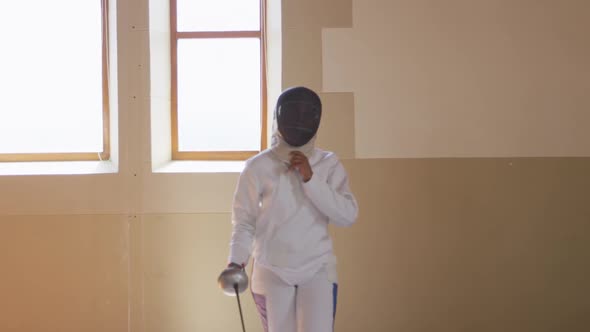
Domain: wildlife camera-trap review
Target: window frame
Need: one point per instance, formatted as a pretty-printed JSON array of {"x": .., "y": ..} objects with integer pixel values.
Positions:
[
  {"x": 174, "y": 37},
  {"x": 106, "y": 148}
]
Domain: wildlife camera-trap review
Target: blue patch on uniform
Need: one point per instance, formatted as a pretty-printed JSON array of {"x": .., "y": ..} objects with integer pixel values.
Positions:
[{"x": 335, "y": 298}]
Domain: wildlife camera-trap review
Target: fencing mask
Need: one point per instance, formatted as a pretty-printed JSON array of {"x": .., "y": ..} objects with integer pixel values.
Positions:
[{"x": 298, "y": 114}]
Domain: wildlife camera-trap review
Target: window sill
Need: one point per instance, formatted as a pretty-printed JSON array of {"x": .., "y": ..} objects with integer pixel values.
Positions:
[
  {"x": 182, "y": 166},
  {"x": 57, "y": 168}
]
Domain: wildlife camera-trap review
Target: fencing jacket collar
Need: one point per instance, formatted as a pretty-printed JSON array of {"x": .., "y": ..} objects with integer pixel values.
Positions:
[{"x": 281, "y": 149}]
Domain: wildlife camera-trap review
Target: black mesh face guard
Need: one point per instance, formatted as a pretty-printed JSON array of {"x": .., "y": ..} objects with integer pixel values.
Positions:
[
  {"x": 298, "y": 121},
  {"x": 298, "y": 114}
]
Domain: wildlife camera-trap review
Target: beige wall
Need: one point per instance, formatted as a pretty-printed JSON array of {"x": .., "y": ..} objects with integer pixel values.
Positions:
[
  {"x": 458, "y": 244},
  {"x": 464, "y": 78},
  {"x": 467, "y": 245}
]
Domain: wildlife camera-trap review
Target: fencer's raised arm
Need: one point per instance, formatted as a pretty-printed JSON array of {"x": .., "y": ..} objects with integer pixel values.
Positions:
[
  {"x": 244, "y": 215},
  {"x": 331, "y": 195}
]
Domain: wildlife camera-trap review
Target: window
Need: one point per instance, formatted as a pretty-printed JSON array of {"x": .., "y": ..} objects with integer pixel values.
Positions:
[
  {"x": 54, "y": 83},
  {"x": 218, "y": 88}
]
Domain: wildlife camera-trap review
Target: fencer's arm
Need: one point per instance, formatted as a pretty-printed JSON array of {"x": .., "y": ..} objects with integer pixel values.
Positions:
[
  {"x": 244, "y": 214},
  {"x": 332, "y": 196}
]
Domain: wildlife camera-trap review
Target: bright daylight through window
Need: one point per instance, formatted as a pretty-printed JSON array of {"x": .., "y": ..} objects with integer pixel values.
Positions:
[
  {"x": 218, "y": 73},
  {"x": 53, "y": 83}
]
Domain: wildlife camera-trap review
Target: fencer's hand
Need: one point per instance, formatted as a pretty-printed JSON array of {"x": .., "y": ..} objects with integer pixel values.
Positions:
[
  {"x": 300, "y": 163},
  {"x": 233, "y": 279},
  {"x": 234, "y": 266},
  {"x": 231, "y": 267}
]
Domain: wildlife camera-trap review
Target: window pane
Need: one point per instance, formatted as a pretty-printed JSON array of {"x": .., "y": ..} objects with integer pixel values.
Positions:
[
  {"x": 51, "y": 76},
  {"x": 219, "y": 94},
  {"x": 218, "y": 15}
]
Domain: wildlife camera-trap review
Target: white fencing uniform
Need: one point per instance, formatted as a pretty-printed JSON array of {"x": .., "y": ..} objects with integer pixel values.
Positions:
[{"x": 283, "y": 223}]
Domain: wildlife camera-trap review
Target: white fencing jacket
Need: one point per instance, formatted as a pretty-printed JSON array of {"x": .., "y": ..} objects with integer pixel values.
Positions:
[{"x": 282, "y": 221}]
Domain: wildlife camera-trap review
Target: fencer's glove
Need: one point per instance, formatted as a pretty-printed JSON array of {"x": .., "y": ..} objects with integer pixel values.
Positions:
[{"x": 232, "y": 277}]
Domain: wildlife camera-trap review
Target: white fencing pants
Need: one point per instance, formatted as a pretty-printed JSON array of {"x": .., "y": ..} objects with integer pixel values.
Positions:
[{"x": 309, "y": 307}]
